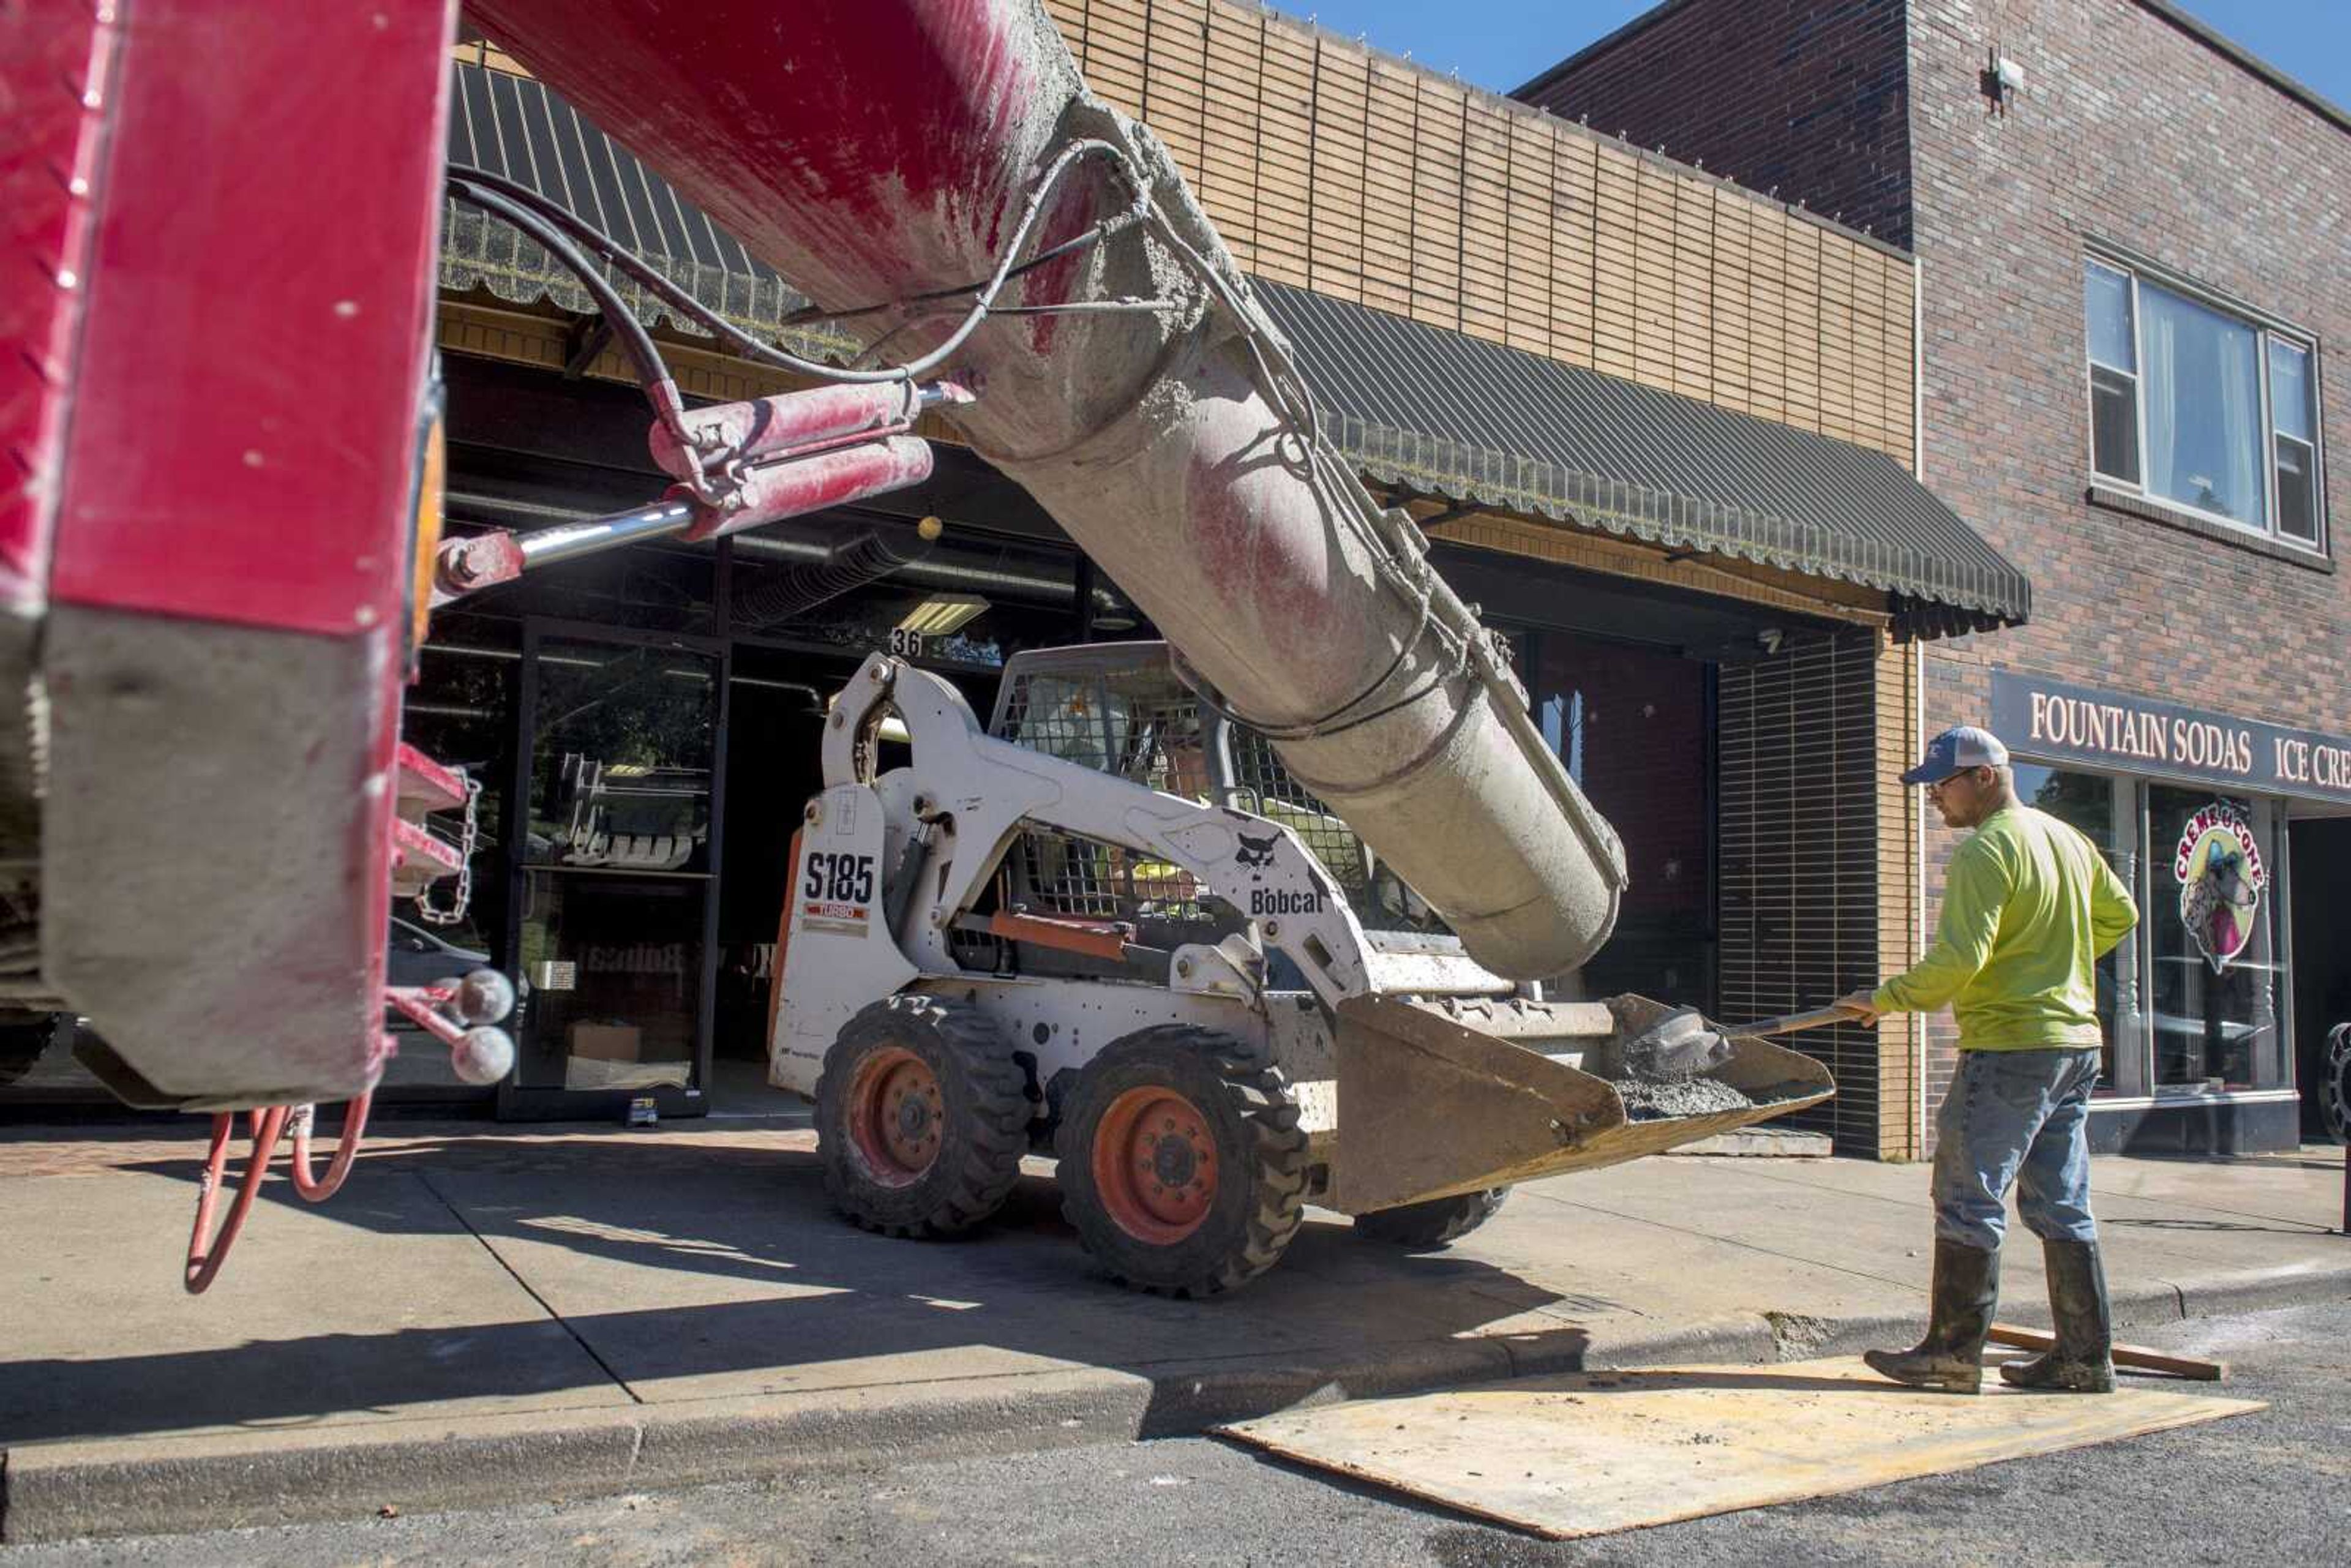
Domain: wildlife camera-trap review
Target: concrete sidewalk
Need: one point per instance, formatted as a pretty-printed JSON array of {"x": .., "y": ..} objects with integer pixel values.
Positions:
[{"x": 490, "y": 1314}]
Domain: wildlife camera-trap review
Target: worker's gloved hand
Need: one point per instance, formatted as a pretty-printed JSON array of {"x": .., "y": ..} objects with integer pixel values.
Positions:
[{"x": 1859, "y": 1006}]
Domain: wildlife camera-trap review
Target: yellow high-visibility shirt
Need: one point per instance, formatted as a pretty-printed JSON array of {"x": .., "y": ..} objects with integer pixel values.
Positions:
[{"x": 2030, "y": 907}]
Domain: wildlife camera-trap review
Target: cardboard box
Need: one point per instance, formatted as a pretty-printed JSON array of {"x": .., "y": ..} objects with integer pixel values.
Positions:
[
  {"x": 605, "y": 1041},
  {"x": 587, "y": 1072}
]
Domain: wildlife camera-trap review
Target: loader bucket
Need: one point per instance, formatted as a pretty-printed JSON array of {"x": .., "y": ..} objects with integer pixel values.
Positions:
[{"x": 1436, "y": 1098}]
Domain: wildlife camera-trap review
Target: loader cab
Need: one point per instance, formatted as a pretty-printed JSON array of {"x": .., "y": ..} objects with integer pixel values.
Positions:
[{"x": 1120, "y": 707}]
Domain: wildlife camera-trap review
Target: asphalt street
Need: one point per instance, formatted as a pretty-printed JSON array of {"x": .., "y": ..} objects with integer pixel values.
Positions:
[{"x": 2267, "y": 1488}]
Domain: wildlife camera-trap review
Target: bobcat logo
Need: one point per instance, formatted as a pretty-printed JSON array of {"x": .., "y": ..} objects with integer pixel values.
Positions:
[{"x": 1254, "y": 853}]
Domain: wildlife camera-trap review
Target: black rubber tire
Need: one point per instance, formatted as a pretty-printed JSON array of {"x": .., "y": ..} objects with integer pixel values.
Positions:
[
  {"x": 2334, "y": 1085},
  {"x": 1422, "y": 1226},
  {"x": 983, "y": 1122},
  {"x": 22, "y": 1043},
  {"x": 1260, "y": 1196}
]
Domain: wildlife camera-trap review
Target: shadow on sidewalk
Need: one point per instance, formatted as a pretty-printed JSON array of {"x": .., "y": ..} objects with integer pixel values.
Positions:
[
  {"x": 2281, "y": 1228},
  {"x": 676, "y": 1268}
]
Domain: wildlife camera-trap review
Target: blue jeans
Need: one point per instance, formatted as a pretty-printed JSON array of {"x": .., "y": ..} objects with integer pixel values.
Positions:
[{"x": 2018, "y": 1117}]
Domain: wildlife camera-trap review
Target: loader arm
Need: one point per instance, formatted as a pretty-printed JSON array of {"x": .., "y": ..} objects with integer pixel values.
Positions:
[{"x": 987, "y": 791}]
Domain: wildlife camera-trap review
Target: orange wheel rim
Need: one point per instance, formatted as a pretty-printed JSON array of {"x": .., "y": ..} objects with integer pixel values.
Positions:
[
  {"x": 1154, "y": 1165},
  {"x": 896, "y": 1115}
]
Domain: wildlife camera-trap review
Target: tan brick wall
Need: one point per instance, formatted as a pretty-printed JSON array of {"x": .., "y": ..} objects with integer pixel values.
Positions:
[{"x": 1361, "y": 176}]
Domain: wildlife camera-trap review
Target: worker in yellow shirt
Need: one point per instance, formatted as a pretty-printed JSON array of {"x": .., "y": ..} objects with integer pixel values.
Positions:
[{"x": 2029, "y": 908}]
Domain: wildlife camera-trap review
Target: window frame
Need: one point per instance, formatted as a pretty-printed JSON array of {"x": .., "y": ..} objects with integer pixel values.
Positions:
[
  {"x": 2271, "y": 344},
  {"x": 2268, "y": 331}
]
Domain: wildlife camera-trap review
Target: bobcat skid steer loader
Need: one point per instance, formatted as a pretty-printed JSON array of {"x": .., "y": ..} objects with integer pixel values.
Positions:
[{"x": 1115, "y": 930}]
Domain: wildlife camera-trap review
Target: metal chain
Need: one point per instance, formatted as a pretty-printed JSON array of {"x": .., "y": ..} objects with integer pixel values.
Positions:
[{"x": 461, "y": 899}]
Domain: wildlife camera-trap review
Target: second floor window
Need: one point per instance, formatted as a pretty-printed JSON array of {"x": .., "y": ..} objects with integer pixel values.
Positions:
[{"x": 2202, "y": 409}]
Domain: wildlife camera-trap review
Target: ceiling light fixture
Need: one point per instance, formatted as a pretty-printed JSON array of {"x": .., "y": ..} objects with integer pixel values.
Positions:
[{"x": 943, "y": 613}]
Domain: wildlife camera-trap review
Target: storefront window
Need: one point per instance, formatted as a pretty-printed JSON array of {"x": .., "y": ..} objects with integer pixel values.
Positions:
[
  {"x": 2085, "y": 801},
  {"x": 616, "y": 885},
  {"x": 2208, "y": 918}
]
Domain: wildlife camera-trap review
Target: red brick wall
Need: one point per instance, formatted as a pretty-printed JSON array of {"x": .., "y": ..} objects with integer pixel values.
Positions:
[
  {"x": 2135, "y": 134},
  {"x": 1802, "y": 95}
]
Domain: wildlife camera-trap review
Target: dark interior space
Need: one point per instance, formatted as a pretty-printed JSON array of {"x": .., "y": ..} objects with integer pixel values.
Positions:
[
  {"x": 2320, "y": 850},
  {"x": 1634, "y": 727}
]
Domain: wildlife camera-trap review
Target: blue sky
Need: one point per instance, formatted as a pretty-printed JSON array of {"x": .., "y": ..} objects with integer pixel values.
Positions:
[{"x": 1497, "y": 44}]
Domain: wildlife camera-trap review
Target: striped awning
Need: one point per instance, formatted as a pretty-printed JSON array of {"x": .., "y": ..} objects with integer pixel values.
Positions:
[
  {"x": 1447, "y": 414},
  {"x": 511, "y": 125},
  {"x": 1415, "y": 407}
]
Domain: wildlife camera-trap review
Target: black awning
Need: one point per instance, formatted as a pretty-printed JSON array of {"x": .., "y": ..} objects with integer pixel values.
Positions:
[
  {"x": 1444, "y": 414},
  {"x": 1413, "y": 406},
  {"x": 513, "y": 126}
]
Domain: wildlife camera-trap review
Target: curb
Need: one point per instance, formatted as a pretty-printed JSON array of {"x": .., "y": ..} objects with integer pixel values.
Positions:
[{"x": 144, "y": 1486}]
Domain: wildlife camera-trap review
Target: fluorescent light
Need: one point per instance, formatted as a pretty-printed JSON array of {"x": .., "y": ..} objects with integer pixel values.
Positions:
[{"x": 942, "y": 614}]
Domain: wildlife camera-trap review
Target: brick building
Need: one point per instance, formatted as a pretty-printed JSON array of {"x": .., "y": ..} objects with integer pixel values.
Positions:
[{"x": 2133, "y": 293}]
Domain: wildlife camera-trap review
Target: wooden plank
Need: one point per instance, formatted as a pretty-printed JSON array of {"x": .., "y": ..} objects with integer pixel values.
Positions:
[
  {"x": 1070, "y": 18},
  {"x": 1174, "y": 77},
  {"x": 1390, "y": 112},
  {"x": 1338, "y": 171},
  {"x": 1285, "y": 152},
  {"x": 1437, "y": 178},
  {"x": 1574, "y": 164},
  {"x": 1592, "y": 1453},
  {"x": 2137, "y": 1357},
  {"x": 1233, "y": 65}
]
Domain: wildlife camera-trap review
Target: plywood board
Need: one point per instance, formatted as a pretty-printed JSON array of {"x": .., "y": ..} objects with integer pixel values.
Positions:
[{"x": 1591, "y": 1453}]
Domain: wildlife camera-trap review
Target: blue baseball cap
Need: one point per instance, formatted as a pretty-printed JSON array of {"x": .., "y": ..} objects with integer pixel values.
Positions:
[{"x": 1958, "y": 748}]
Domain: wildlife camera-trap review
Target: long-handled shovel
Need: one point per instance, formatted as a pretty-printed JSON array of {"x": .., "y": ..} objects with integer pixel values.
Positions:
[{"x": 1819, "y": 1018}]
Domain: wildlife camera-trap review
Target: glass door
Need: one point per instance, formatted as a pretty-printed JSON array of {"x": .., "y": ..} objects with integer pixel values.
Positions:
[{"x": 613, "y": 899}]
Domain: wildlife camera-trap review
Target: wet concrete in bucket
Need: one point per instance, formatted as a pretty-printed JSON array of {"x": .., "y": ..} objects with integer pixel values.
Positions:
[{"x": 1658, "y": 1099}]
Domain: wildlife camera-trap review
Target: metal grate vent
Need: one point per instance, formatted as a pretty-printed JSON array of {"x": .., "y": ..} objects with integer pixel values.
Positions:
[{"x": 1798, "y": 822}]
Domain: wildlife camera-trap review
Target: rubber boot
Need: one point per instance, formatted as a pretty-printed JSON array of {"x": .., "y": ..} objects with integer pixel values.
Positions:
[
  {"x": 2083, "y": 1360},
  {"x": 1967, "y": 1286}
]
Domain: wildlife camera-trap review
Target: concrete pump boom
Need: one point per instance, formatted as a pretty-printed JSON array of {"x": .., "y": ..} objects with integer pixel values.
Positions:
[{"x": 887, "y": 156}]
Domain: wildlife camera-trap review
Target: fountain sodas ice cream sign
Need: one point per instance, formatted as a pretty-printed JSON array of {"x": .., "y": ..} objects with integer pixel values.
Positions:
[{"x": 2221, "y": 879}]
